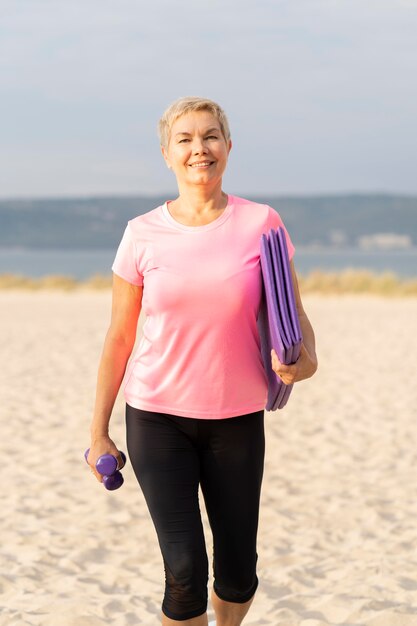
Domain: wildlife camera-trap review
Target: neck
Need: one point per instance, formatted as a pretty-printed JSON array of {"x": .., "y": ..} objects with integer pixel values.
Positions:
[{"x": 198, "y": 199}]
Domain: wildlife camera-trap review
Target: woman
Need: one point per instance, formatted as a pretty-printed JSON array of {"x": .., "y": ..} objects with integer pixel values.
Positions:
[{"x": 195, "y": 388}]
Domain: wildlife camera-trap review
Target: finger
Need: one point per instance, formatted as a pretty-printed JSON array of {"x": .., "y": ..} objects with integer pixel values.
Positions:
[
  {"x": 96, "y": 474},
  {"x": 275, "y": 362},
  {"x": 119, "y": 459},
  {"x": 277, "y": 366},
  {"x": 288, "y": 377},
  {"x": 286, "y": 373}
]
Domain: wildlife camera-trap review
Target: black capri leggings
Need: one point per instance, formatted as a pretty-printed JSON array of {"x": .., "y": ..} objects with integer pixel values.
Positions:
[{"x": 172, "y": 456}]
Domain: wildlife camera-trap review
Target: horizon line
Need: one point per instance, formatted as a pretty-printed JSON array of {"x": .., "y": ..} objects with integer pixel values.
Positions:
[{"x": 277, "y": 194}]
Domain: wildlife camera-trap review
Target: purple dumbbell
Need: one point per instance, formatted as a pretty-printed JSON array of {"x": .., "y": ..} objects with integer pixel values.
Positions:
[{"x": 107, "y": 466}]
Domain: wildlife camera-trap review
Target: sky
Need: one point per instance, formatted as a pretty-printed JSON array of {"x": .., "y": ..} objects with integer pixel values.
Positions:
[{"x": 319, "y": 94}]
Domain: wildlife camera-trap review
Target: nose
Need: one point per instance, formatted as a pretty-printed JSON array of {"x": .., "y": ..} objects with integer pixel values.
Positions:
[{"x": 199, "y": 146}]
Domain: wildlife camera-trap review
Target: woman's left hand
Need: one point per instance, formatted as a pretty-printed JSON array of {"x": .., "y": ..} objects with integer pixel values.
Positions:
[{"x": 303, "y": 368}]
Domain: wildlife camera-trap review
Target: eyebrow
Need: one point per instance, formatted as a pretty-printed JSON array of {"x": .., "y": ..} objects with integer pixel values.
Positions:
[{"x": 209, "y": 130}]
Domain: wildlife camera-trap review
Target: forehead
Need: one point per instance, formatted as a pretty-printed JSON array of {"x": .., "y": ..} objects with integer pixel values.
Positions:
[{"x": 195, "y": 120}]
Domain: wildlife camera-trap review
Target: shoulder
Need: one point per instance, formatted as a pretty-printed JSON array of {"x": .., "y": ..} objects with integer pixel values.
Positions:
[
  {"x": 248, "y": 205},
  {"x": 256, "y": 211},
  {"x": 145, "y": 222}
]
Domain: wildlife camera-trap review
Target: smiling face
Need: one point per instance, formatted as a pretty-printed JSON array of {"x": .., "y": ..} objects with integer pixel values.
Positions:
[{"x": 197, "y": 151}]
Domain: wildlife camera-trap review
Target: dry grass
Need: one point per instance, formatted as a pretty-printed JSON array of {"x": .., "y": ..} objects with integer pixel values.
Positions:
[
  {"x": 357, "y": 282},
  {"x": 330, "y": 283},
  {"x": 54, "y": 282}
]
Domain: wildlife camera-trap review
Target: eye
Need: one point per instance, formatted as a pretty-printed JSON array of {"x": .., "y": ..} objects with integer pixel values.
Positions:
[
  {"x": 183, "y": 140},
  {"x": 212, "y": 137}
]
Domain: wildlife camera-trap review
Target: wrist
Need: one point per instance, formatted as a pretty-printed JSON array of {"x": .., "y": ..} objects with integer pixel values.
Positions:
[{"x": 98, "y": 433}]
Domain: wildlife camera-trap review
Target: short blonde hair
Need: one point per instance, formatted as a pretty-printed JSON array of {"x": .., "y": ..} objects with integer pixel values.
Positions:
[{"x": 189, "y": 104}]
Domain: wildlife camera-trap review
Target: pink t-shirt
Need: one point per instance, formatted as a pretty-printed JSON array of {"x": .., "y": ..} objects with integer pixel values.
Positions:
[{"x": 199, "y": 355}]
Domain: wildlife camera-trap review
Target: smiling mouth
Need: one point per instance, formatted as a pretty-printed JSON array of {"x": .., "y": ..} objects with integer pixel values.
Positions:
[{"x": 201, "y": 164}]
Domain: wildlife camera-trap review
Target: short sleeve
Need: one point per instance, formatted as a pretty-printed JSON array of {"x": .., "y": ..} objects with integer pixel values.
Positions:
[
  {"x": 275, "y": 221},
  {"x": 125, "y": 263}
]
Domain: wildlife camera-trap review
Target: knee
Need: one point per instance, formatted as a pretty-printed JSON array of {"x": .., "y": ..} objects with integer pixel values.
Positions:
[
  {"x": 185, "y": 588},
  {"x": 239, "y": 590},
  {"x": 235, "y": 578}
]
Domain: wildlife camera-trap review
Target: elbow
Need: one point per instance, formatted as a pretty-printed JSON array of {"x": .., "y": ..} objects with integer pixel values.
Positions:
[
  {"x": 314, "y": 364},
  {"x": 310, "y": 369},
  {"x": 309, "y": 358},
  {"x": 121, "y": 340}
]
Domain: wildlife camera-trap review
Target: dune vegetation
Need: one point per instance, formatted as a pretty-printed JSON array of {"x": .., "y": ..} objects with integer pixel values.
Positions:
[
  {"x": 348, "y": 281},
  {"x": 356, "y": 281},
  {"x": 53, "y": 282}
]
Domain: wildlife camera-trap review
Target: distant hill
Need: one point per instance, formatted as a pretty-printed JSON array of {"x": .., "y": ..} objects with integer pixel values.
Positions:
[{"x": 98, "y": 222}]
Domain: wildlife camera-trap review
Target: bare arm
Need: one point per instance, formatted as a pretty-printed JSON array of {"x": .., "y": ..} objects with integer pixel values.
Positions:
[
  {"x": 118, "y": 345},
  {"x": 307, "y": 364}
]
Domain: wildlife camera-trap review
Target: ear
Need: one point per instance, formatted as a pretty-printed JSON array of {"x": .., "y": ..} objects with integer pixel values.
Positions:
[
  {"x": 229, "y": 146},
  {"x": 166, "y": 158}
]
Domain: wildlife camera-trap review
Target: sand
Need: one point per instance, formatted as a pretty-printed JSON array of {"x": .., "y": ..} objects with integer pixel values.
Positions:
[{"x": 338, "y": 528}]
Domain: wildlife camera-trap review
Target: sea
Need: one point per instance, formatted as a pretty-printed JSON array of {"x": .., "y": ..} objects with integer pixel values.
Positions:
[{"x": 82, "y": 264}]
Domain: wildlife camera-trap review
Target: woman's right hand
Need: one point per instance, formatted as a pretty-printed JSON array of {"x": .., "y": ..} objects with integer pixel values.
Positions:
[{"x": 102, "y": 445}]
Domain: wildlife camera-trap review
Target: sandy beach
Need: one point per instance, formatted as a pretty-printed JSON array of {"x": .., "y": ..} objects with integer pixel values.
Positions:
[{"x": 338, "y": 528}]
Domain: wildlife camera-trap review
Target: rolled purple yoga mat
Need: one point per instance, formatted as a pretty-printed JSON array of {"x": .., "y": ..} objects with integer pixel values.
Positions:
[
  {"x": 275, "y": 329},
  {"x": 295, "y": 328},
  {"x": 281, "y": 302},
  {"x": 278, "y": 322},
  {"x": 271, "y": 328}
]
